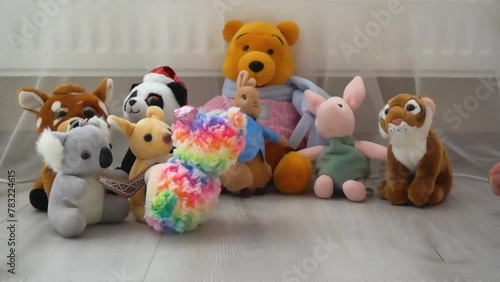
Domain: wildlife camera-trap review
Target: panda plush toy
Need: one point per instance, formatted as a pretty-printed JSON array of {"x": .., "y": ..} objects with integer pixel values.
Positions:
[{"x": 161, "y": 87}]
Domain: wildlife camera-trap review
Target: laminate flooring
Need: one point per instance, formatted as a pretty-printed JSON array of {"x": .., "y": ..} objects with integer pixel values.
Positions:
[{"x": 273, "y": 238}]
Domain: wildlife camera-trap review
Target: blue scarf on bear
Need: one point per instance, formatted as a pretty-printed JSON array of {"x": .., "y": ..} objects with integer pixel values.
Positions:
[{"x": 293, "y": 91}]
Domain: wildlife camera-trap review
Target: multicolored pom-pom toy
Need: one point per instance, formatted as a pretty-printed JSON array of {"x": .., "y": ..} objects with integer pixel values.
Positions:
[{"x": 182, "y": 192}]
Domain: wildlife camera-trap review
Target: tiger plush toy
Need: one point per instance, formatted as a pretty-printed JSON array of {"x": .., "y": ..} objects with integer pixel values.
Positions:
[{"x": 418, "y": 169}]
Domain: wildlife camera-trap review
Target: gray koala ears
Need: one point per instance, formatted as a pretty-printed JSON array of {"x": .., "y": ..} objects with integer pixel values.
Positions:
[
  {"x": 50, "y": 147},
  {"x": 101, "y": 124}
]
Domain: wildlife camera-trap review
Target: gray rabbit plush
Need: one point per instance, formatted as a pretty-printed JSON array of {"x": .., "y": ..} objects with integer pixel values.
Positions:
[{"x": 77, "y": 199}]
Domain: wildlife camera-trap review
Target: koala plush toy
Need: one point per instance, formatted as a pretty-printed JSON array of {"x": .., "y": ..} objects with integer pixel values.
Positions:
[{"x": 77, "y": 199}]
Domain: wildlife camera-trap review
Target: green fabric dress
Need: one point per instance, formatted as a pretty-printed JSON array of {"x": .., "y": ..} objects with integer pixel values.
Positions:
[{"x": 342, "y": 162}]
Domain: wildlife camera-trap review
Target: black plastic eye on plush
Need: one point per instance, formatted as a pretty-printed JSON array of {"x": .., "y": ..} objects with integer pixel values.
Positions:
[
  {"x": 74, "y": 124},
  {"x": 244, "y": 97},
  {"x": 410, "y": 107},
  {"x": 246, "y": 47},
  {"x": 148, "y": 137},
  {"x": 60, "y": 114},
  {"x": 340, "y": 105},
  {"x": 153, "y": 100},
  {"x": 386, "y": 111},
  {"x": 88, "y": 112},
  {"x": 270, "y": 51},
  {"x": 413, "y": 107},
  {"x": 85, "y": 155}
]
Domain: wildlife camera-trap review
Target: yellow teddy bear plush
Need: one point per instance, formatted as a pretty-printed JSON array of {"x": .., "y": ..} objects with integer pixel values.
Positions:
[{"x": 264, "y": 50}]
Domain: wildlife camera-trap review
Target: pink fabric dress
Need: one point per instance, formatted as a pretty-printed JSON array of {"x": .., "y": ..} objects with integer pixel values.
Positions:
[
  {"x": 283, "y": 107},
  {"x": 280, "y": 116}
]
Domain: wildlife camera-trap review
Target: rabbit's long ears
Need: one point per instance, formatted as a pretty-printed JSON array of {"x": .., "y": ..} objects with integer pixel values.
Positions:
[{"x": 242, "y": 79}]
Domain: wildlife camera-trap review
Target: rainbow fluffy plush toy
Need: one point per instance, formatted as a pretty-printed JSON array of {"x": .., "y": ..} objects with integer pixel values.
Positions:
[{"x": 181, "y": 192}]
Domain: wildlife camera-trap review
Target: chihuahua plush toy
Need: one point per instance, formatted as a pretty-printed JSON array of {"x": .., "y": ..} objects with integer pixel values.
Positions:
[
  {"x": 150, "y": 140},
  {"x": 418, "y": 168}
]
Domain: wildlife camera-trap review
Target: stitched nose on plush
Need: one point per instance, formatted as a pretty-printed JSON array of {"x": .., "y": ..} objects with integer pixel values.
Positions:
[
  {"x": 397, "y": 121},
  {"x": 131, "y": 102},
  {"x": 256, "y": 66},
  {"x": 167, "y": 137},
  {"x": 105, "y": 157}
]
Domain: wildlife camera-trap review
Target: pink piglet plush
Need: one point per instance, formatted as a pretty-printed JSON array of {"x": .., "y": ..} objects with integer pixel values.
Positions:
[{"x": 344, "y": 164}]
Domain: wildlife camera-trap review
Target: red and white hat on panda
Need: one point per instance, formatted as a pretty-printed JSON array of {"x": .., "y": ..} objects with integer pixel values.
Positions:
[
  {"x": 166, "y": 75},
  {"x": 160, "y": 87}
]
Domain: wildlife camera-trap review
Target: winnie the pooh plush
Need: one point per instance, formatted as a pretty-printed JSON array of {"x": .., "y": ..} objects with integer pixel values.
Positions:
[{"x": 264, "y": 50}]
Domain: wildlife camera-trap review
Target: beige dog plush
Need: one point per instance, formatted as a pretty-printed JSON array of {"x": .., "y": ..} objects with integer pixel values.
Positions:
[{"x": 150, "y": 140}]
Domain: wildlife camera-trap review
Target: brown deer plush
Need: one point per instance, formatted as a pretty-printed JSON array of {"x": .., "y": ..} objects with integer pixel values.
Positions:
[{"x": 67, "y": 102}]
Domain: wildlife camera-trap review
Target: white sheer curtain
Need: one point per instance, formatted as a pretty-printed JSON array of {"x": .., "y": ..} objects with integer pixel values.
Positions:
[{"x": 444, "y": 49}]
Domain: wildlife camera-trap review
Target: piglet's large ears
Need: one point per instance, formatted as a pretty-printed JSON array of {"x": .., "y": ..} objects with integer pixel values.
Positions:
[
  {"x": 313, "y": 101},
  {"x": 31, "y": 99},
  {"x": 355, "y": 93}
]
